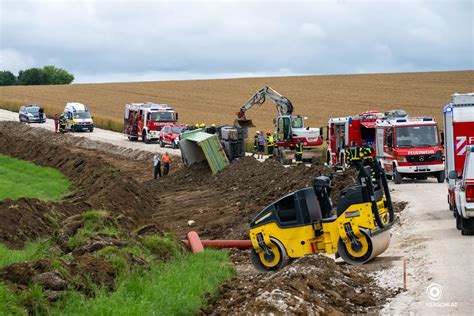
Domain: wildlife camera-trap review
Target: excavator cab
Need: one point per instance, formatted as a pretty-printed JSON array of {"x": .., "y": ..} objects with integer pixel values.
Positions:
[{"x": 304, "y": 222}]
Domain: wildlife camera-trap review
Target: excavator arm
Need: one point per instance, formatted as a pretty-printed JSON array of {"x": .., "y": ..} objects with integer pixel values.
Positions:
[{"x": 283, "y": 104}]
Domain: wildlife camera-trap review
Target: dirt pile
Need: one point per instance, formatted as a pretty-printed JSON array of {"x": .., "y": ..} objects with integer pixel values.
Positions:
[
  {"x": 223, "y": 205},
  {"x": 312, "y": 285},
  {"x": 96, "y": 184}
]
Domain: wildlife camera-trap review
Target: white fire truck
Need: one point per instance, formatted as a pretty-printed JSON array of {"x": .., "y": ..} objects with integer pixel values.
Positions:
[
  {"x": 409, "y": 147},
  {"x": 145, "y": 120},
  {"x": 459, "y": 138}
]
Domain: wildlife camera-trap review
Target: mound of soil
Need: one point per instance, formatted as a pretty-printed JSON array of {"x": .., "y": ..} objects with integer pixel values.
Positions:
[
  {"x": 97, "y": 184},
  {"x": 312, "y": 285},
  {"x": 223, "y": 205}
]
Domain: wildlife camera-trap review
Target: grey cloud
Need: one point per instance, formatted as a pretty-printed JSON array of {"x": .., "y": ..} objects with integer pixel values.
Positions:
[{"x": 96, "y": 39}]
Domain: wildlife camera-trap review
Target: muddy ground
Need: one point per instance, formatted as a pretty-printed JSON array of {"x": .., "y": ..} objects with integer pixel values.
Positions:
[{"x": 120, "y": 181}]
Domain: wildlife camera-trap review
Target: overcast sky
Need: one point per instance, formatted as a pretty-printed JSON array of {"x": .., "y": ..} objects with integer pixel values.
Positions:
[{"x": 105, "y": 41}]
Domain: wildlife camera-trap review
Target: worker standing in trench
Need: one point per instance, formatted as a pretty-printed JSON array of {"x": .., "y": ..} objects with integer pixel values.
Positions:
[
  {"x": 270, "y": 145},
  {"x": 165, "y": 159},
  {"x": 156, "y": 166}
]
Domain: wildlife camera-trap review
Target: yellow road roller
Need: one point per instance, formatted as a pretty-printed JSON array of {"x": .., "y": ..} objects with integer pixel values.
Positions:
[{"x": 303, "y": 222}]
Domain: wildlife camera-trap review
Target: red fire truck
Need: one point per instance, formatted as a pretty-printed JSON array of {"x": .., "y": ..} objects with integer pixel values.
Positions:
[
  {"x": 342, "y": 131},
  {"x": 409, "y": 147},
  {"x": 145, "y": 120},
  {"x": 458, "y": 134}
]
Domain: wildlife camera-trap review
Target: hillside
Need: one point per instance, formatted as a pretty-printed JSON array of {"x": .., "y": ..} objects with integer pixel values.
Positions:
[{"x": 217, "y": 101}]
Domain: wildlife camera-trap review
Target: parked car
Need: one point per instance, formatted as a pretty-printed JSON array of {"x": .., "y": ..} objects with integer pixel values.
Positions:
[
  {"x": 31, "y": 114},
  {"x": 169, "y": 135},
  {"x": 464, "y": 195}
]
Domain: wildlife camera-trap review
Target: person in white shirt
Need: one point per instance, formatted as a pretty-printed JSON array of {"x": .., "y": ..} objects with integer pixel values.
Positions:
[{"x": 157, "y": 166}]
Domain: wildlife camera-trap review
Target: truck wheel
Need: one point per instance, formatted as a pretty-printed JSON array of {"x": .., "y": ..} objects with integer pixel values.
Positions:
[
  {"x": 467, "y": 226},
  {"x": 458, "y": 220},
  {"x": 440, "y": 176},
  {"x": 175, "y": 145},
  {"x": 162, "y": 143},
  {"x": 91, "y": 129},
  {"x": 145, "y": 138},
  {"x": 397, "y": 177}
]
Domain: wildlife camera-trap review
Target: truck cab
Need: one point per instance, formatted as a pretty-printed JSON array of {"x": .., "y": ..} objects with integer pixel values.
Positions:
[
  {"x": 78, "y": 117},
  {"x": 410, "y": 147}
]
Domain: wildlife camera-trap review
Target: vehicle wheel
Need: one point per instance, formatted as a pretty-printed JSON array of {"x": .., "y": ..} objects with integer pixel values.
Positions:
[
  {"x": 356, "y": 254},
  {"x": 440, "y": 176},
  {"x": 162, "y": 143},
  {"x": 145, "y": 138},
  {"x": 91, "y": 129},
  {"x": 389, "y": 176},
  {"x": 132, "y": 138},
  {"x": 397, "y": 177},
  {"x": 467, "y": 226},
  {"x": 276, "y": 259},
  {"x": 175, "y": 145},
  {"x": 458, "y": 220}
]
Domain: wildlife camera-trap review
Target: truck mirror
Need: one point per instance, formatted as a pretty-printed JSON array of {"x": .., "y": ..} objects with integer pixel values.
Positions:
[
  {"x": 442, "y": 138},
  {"x": 453, "y": 175},
  {"x": 321, "y": 130},
  {"x": 176, "y": 115}
]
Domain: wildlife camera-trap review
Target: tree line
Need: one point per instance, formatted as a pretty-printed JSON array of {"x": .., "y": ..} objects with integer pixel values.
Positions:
[{"x": 36, "y": 76}]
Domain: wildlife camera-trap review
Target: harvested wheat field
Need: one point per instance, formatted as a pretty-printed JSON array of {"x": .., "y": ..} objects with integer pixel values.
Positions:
[{"x": 217, "y": 101}]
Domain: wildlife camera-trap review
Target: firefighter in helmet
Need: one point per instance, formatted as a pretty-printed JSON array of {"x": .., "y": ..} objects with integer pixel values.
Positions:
[
  {"x": 353, "y": 155},
  {"x": 366, "y": 153},
  {"x": 299, "y": 152},
  {"x": 270, "y": 145}
]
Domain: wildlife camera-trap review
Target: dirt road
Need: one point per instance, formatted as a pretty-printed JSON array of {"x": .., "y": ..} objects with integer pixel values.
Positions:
[
  {"x": 114, "y": 138},
  {"x": 440, "y": 262}
]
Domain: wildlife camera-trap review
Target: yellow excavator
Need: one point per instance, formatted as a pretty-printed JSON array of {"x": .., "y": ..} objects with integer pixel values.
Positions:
[{"x": 303, "y": 222}]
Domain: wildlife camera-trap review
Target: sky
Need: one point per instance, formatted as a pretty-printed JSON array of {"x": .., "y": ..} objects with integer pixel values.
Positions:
[{"x": 114, "y": 41}]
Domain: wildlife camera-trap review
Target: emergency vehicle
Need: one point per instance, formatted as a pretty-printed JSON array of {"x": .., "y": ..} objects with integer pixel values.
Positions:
[
  {"x": 145, "y": 120},
  {"x": 78, "y": 117},
  {"x": 409, "y": 147},
  {"x": 458, "y": 119},
  {"x": 342, "y": 131}
]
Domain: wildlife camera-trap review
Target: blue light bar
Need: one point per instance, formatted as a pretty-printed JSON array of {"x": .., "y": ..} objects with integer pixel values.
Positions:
[
  {"x": 427, "y": 119},
  {"x": 401, "y": 120}
]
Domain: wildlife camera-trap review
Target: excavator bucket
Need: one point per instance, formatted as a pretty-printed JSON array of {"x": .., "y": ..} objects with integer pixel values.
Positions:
[{"x": 243, "y": 122}]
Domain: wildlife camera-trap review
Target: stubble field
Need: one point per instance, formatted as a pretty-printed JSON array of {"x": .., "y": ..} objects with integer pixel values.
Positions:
[{"x": 217, "y": 101}]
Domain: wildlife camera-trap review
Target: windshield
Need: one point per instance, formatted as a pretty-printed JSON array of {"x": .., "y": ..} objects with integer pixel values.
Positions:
[
  {"x": 32, "y": 110},
  {"x": 417, "y": 136},
  {"x": 176, "y": 130},
  {"x": 82, "y": 115},
  {"x": 297, "y": 122},
  {"x": 162, "y": 116}
]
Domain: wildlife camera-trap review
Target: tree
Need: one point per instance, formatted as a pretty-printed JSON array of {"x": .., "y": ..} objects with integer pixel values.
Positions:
[
  {"x": 57, "y": 75},
  {"x": 7, "y": 78},
  {"x": 32, "y": 76}
]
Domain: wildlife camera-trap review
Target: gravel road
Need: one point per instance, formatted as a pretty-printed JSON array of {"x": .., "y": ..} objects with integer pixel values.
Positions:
[
  {"x": 440, "y": 261},
  {"x": 114, "y": 138}
]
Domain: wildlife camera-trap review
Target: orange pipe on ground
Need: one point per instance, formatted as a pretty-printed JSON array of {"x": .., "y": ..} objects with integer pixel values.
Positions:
[
  {"x": 194, "y": 242},
  {"x": 218, "y": 244}
]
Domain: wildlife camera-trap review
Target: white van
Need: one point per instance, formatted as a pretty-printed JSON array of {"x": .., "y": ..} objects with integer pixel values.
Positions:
[{"x": 78, "y": 115}]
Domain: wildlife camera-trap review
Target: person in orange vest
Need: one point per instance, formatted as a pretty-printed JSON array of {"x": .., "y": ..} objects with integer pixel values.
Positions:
[{"x": 165, "y": 160}]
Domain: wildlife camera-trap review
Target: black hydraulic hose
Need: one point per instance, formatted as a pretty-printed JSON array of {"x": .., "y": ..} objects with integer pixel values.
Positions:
[
  {"x": 386, "y": 191},
  {"x": 370, "y": 188}
]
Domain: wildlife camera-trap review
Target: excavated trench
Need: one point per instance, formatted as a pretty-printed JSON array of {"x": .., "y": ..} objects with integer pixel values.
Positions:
[{"x": 120, "y": 181}]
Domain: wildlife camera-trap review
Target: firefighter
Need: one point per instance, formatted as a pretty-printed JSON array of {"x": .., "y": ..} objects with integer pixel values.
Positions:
[
  {"x": 366, "y": 153},
  {"x": 202, "y": 125},
  {"x": 299, "y": 153},
  {"x": 353, "y": 155},
  {"x": 62, "y": 123},
  {"x": 270, "y": 145}
]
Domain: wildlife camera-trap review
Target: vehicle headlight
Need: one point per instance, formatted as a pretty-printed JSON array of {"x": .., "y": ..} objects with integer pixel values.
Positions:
[{"x": 402, "y": 159}]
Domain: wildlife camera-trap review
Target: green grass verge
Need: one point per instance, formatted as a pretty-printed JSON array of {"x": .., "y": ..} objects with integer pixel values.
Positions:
[
  {"x": 179, "y": 287},
  {"x": 20, "y": 178},
  {"x": 32, "y": 251}
]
